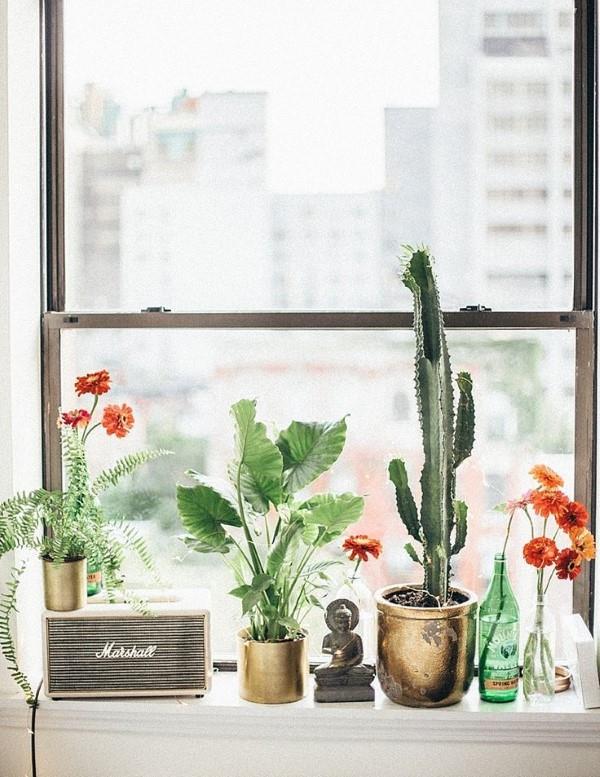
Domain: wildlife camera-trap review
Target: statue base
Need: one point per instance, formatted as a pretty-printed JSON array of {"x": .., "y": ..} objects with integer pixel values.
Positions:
[{"x": 341, "y": 693}]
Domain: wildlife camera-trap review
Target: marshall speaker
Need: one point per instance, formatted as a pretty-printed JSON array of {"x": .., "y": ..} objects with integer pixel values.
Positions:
[{"x": 110, "y": 650}]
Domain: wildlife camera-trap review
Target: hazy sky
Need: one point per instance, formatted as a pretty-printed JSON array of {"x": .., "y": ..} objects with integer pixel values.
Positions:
[{"x": 329, "y": 66}]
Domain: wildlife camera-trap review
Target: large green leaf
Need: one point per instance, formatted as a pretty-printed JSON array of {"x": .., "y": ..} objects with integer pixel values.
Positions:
[
  {"x": 308, "y": 450},
  {"x": 203, "y": 511},
  {"x": 258, "y": 465},
  {"x": 333, "y": 513}
]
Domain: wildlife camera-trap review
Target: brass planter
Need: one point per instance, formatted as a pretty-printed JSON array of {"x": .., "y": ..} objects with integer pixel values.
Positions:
[
  {"x": 425, "y": 655},
  {"x": 65, "y": 584},
  {"x": 272, "y": 672}
]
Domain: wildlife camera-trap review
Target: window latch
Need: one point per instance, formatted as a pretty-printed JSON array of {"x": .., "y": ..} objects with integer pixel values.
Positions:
[
  {"x": 157, "y": 309},
  {"x": 475, "y": 309}
]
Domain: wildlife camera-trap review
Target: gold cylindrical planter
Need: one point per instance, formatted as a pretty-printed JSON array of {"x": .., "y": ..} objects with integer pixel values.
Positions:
[
  {"x": 272, "y": 672},
  {"x": 65, "y": 585},
  {"x": 425, "y": 655}
]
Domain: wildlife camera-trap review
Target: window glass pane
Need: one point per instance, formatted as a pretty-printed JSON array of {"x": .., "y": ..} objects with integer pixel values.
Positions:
[
  {"x": 182, "y": 383},
  {"x": 259, "y": 154}
]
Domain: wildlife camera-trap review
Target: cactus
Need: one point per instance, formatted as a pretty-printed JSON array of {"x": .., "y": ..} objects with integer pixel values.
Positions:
[{"x": 441, "y": 524}]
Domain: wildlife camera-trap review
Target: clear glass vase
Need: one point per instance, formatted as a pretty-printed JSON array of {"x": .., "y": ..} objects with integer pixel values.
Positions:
[
  {"x": 356, "y": 590},
  {"x": 538, "y": 657}
]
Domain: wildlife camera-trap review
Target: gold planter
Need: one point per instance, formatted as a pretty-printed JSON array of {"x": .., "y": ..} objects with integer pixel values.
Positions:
[
  {"x": 65, "y": 585},
  {"x": 272, "y": 672},
  {"x": 425, "y": 655}
]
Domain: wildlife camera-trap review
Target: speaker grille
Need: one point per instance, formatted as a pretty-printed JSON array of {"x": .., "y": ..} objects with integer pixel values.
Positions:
[{"x": 78, "y": 647}]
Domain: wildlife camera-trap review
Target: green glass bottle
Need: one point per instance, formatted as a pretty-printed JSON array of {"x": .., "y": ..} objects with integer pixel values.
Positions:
[
  {"x": 499, "y": 638},
  {"x": 94, "y": 578}
]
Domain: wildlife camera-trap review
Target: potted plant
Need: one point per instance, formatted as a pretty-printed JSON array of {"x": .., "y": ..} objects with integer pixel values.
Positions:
[
  {"x": 68, "y": 528},
  {"x": 275, "y": 535},
  {"x": 553, "y": 518},
  {"x": 426, "y": 634}
]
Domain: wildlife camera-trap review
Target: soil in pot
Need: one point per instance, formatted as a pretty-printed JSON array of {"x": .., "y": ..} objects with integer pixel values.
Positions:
[{"x": 415, "y": 597}]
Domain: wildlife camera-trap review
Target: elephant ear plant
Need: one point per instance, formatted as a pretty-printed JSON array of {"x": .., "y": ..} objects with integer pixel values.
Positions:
[
  {"x": 266, "y": 532},
  {"x": 441, "y": 524}
]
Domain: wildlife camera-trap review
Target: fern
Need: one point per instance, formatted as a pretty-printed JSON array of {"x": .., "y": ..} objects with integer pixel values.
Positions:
[
  {"x": 8, "y": 606},
  {"x": 125, "y": 466}
]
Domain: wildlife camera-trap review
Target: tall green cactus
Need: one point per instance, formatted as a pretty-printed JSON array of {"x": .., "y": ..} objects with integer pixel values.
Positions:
[{"x": 441, "y": 524}]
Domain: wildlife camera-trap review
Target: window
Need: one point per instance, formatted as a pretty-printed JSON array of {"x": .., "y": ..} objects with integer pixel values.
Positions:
[{"x": 262, "y": 193}]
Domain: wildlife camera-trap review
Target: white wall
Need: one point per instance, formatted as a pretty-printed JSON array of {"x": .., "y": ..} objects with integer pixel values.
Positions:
[{"x": 20, "y": 412}]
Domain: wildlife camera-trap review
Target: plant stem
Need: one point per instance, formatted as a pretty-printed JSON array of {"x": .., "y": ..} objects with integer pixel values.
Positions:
[{"x": 258, "y": 567}]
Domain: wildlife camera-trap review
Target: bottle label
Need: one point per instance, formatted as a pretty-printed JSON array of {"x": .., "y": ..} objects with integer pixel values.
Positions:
[
  {"x": 94, "y": 577},
  {"x": 496, "y": 684}
]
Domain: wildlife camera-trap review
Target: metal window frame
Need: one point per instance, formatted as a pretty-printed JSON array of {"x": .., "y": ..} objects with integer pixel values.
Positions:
[{"x": 581, "y": 318}]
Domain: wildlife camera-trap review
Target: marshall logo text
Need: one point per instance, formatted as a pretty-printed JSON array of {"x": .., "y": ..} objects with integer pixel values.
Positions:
[{"x": 110, "y": 651}]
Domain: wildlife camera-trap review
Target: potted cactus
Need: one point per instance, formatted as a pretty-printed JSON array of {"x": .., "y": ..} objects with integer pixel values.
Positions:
[{"x": 426, "y": 631}]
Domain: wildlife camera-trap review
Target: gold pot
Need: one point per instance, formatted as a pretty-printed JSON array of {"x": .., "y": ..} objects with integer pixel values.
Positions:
[
  {"x": 425, "y": 655},
  {"x": 65, "y": 584},
  {"x": 272, "y": 672}
]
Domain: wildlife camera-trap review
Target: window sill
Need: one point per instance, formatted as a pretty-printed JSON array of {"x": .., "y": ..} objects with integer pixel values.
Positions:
[{"x": 562, "y": 721}]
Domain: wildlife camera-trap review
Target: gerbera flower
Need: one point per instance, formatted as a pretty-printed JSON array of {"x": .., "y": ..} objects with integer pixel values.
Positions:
[
  {"x": 359, "y": 546},
  {"x": 540, "y": 552},
  {"x": 546, "y": 477},
  {"x": 568, "y": 564},
  {"x": 548, "y": 502},
  {"x": 583, "y": 543},
  {"x": 573, "y": 516},
  {"x": 93, "y": 383},
  {"x": 75, "y": 418},
  {"x": 118, "y": 420}
]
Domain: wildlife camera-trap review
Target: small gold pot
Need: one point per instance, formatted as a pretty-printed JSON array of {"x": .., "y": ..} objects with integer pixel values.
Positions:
[
  {"x": 425, "y": 655},
  {"x": 65, "y": 584},
  {"x": 272, "y": 672}
]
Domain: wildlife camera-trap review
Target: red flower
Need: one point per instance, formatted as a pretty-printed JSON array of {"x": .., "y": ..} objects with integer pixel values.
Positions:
[
  {"x": 548, "y": 502},
  {"x": 75, "y": 418},
  {"x": 573, "y": 516},
  {"x": 568, "y": 564},
  {"x": 359, "y": 546},
  {"x": 93, "y": 383},
  {"x": 546, "y": 477},
  {"x": 118, "y": 420},
  {"x": 540, "y": 552}
]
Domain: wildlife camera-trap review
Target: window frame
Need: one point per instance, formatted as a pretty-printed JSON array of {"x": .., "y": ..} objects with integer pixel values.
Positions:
[{"x": 581, "y": 318}]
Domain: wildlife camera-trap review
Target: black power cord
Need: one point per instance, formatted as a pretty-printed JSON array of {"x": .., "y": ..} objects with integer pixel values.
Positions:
[{"x": 34, "y": 707}]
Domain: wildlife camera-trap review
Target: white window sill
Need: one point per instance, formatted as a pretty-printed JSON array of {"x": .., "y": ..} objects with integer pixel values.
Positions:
[{"x": 562, "y": 721}]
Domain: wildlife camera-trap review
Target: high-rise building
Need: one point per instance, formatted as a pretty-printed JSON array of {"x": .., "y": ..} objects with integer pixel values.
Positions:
[
  {"x": 326, "y": 250},
  {"x": 486, "y": 175},
  {"x": 196, "y": 229}
]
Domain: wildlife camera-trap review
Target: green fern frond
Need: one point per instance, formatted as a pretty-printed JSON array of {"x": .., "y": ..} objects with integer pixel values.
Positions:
[
  {"x": 135, "y": 541},
  {"x": 125, "y": 466},
  {"x": 8, "y": 606}
]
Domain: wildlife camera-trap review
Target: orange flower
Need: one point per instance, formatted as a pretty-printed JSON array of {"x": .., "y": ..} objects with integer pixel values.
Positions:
[
  {"x": 540, "y": 552},
  {"x": 583, "y": 543},
  {"x": 75, "y": 418},
  {"x": 546, "y": 477},
  {"x": 118, "y": 420},
  {"x": 573, "y": 516},
  {"x": 93, "y": 383},
  {"x": 548, "y": 502},
  {"x": 359, "y": 546},
  {"x": 568, "y": 564}
]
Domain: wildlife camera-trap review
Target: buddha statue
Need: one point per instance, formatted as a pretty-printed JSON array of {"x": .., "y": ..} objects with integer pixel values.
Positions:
[{"x": 345, "y": 677}]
